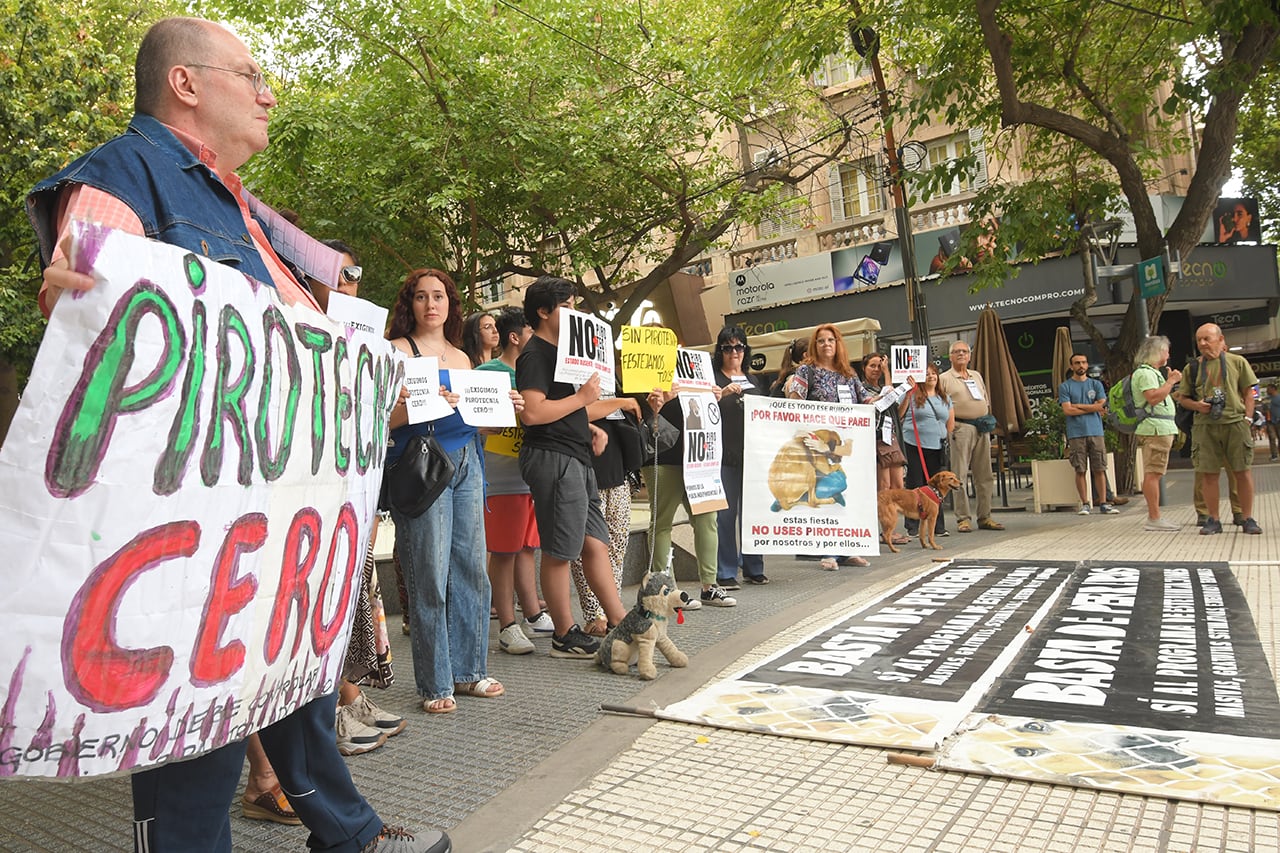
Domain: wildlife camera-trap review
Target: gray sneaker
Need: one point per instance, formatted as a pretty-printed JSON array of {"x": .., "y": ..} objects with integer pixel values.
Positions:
[
  {"x": 376, "y": 718},
  {"x": 397, "y": 839},
  {"x": 1108, "y": 509},
  {"x": 354, "y": 737}
]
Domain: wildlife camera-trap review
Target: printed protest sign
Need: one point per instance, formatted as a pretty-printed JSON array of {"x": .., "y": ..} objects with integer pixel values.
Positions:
[
  {"x": 585, "y": 347},
  {"x": 693, "y": 371},
  {"x": 809, "y": 478},
  {"x": 703, "y": 451},
  {"x": 186, "y": 496},
  {"x": 422, "y": 378},
  {"x": 484, "y": 397},
  {"x": 358, "y": 314},
  {"x": 908, "y": 362},
  {"x": 648, "y": 358}
]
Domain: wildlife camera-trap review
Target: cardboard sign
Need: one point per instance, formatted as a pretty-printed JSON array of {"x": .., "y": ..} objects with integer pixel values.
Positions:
[
  {"x": 908, "y": 362},
  {"x": 703, "y": 450},
  {"x": 809, "y": 478},
  {"x": 693, "y": 371},
  {"x": 484, "y": 397},
  {"x": 422, "y": 378},
  {"x": 648, "y": 358},
  {"x": 585, "y": 347},
  {"x": 186, "y": 497}
]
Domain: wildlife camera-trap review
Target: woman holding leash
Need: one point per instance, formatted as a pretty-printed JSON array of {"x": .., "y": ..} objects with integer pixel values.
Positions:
[
  {"x": 928, "y": 417},
  {"x": 826, "y": 376}
]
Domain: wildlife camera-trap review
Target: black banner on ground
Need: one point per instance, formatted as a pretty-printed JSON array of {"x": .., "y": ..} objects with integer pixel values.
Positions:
[
  {"x": 930, "y": 639},
  {"x": 1157, "y": 645}
]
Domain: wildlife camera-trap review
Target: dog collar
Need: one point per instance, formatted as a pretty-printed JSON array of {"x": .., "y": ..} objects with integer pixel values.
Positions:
[{"x": 649, "y": 614}]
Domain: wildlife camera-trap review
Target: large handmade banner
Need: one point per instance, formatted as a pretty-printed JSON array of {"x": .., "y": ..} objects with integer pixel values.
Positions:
[
  {"x": 186, "y": 497},
  {"x": 809, "y": 478},
  {"x": 1144, "y": 678}
]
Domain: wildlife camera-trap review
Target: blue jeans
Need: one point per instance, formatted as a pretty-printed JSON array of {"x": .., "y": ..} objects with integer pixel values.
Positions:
[
  {"x": 728, "y": 521},
  {"x": 442, "y": 552}
]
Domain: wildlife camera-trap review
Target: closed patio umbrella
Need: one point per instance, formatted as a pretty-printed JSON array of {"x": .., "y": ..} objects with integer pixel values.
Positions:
[
  {"x": 1061, "y": 359},
  {"x": 991, "y": 358}
]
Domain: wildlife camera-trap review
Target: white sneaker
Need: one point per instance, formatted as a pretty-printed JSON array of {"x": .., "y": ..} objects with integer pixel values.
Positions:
[
  {"x": 715, "y": 596},
  {"x": 1161, "y": 525},
  {"x": 1108, "y": 509},
  {"x": 376, "y": 718},
  {"x": 1083, "y": 510},
  {"x": 540, "y": 626},
  {"x": 513, "y": 641},
  {"x": 693, "y": 604},
  {"x": 354, "y": 737}
]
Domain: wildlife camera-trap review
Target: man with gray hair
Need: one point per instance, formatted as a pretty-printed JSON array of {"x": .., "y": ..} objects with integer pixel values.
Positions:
[
  {"x": 1222, "y": 433},
  {"x": 200, "y": 113},
  {"x": 971, "y": 441},
  {"x": 1155, "y": 433}
]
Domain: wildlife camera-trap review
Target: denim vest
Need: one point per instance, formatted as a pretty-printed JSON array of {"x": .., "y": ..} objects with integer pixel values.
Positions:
[{"x": 178, "y": 198}]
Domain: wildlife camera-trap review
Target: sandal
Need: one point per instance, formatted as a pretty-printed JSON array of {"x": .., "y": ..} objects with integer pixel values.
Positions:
[
  {"x": 856, "y": 561},
  {"x": 270, "y": 805},
  {"x": 829, "y": 564},
  {"x": 900, "y": 539},
  {"x": 596, "y": 628},
  {"x": 485, "y": 688},
  {"x": 443, "y": 705}
]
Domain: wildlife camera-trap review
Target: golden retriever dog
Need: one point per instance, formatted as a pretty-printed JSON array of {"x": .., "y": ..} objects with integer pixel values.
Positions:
[
  {"x": 801, "y": 463},
  {"x": 919, "y": 504}
]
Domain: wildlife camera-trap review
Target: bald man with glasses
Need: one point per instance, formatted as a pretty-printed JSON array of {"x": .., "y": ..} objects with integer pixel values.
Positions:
[{"x": 970, "y": 446}]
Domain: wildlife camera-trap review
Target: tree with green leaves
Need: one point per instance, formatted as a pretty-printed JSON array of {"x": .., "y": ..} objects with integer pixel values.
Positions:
[
  {"x": 603, "y": 144},
  {"x": 66, "y": 85}
]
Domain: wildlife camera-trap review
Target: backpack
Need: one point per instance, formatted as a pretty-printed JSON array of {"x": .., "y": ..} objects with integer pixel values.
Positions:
[{"x": 1123, "y": 415}]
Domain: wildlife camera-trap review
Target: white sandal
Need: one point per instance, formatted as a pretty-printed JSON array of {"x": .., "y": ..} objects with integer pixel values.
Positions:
[
  {"x": 482, "y": 689},
  {"x": 829, "y": 564}
]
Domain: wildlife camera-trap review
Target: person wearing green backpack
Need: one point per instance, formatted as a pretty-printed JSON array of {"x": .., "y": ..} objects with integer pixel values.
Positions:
[{"x": 1155, "y": 433}]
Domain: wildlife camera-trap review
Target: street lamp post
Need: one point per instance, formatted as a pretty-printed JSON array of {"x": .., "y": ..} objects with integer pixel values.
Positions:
[{"x": 867, "y": 43}]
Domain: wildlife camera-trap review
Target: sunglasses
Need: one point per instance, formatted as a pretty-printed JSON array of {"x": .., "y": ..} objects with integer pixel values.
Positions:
[
  {"x": 733, "y": 348},
  {"x": 352, "y": 274}
]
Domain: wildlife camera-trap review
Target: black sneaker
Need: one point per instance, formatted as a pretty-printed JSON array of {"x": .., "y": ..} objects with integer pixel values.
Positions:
[
  {"x": 574, "y": 645},
  {"x": 714, "y": 596},
  {"x": 1251, "y": 526},
  {"x": 756, "y": 580},
  {"x": 1210, "y": 527},
  {"x": 1201, "y": 518},
  {"x": 731, "y": 583}
]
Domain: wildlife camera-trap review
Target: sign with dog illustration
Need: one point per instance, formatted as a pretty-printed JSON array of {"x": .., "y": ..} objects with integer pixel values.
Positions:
[
  {"x": 1145, "y": 678},
  {"x": 809, "y": 478},
  {"x": 186, "y": 498},
  {"x": 702, "y": 453}
]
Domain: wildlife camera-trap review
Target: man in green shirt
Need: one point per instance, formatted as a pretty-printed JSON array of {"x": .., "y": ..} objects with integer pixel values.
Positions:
[{"x": 1222, "y": 435}]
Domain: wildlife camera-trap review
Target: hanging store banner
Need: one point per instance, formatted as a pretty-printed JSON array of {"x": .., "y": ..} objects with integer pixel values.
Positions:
[
  {"x": 795, "y": 280},
  {"x": 809, "y": 478},
  {"x": 703, "y": 451},
  {"x": 186, "y": 497}
]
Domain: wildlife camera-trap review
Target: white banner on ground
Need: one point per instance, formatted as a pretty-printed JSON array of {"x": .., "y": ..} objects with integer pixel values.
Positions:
[
  {"x": 585, "y": 347},
  {"x": 809, "y": 478},
  {"x": 186, "y": 496},
  {"x": 484, "y": 397},
  {"x": 703, "y": 451}
]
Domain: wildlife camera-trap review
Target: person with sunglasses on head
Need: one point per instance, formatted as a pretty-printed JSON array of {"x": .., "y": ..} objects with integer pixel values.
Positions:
[
  {"x": 171, "y": 177},
  {"x": 732, "y": 355}
]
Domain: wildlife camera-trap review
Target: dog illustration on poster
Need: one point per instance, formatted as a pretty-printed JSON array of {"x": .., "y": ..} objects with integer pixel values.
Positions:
[{"x": 807, "y": 469}]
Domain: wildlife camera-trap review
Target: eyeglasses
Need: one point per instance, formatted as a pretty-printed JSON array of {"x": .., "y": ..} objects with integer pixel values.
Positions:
[
  {"x": 733, "y": 348},
  {"x": 959, "y": 352},
  {"x": 352, "y": 274},
  {"x": 255, "y": 79}
]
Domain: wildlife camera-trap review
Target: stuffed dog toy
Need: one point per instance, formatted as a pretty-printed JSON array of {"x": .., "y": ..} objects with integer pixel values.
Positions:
[
  {"x": 921, "y": 503},
  {"x": 644, "y": 628},
  {"x": 801, "y": 463}
]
